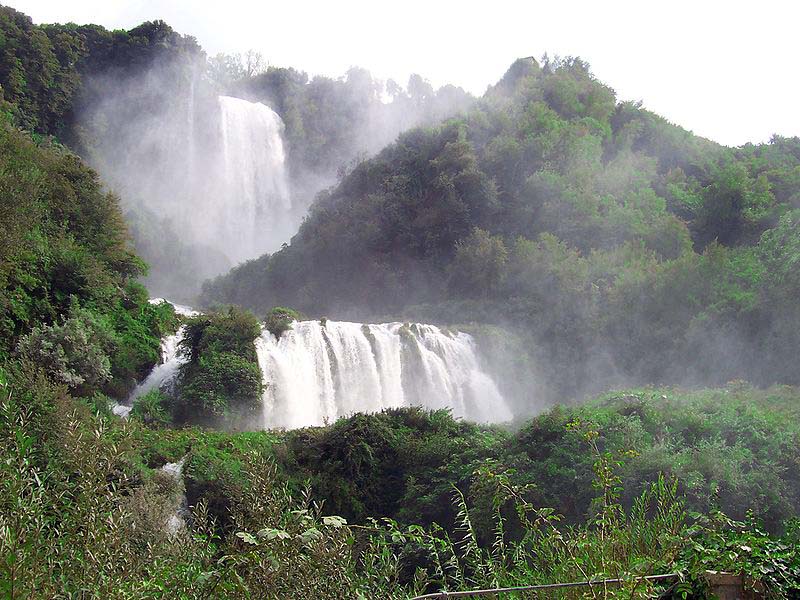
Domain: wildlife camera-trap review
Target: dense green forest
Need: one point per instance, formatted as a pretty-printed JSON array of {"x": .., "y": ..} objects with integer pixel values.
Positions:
[
  {"x": 69, "y": 300},
  {"x": 615, "y": 246},
  {"x": 621, "y": 247}
]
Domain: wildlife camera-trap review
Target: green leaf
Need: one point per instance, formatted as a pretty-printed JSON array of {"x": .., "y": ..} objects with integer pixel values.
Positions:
[
  {"x": 271, "y": 534},
  {"x": 334, "y": 521},
  {"x": 247, "y": 538},
  {"x": 310, "y": 535}
]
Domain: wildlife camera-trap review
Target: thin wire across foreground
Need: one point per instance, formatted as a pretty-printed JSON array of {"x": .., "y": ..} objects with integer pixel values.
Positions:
[{"x": 547, "y": 586}]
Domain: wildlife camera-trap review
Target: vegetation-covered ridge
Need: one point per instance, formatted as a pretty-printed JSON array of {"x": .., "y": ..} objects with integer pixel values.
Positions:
[
  {"x": 221, "y": 381},
  {"x": 622, "y": 247},
  {"x": 68, "y": 296}
]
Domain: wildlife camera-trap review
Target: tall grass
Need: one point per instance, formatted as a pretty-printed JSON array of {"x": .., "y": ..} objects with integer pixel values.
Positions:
[{"x": 80, "y": 518}]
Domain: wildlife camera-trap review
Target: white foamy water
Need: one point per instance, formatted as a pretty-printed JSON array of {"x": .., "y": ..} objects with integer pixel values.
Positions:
[
  {"x": 163, "y": 374},
  {"x": 176, "y": 522},
  {"x": 316, "y": 374},
  {"x": 253, "y": 211}
]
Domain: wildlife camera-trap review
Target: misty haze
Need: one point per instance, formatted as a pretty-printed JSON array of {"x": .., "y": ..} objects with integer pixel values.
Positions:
[{"x": 273, "y": 333}]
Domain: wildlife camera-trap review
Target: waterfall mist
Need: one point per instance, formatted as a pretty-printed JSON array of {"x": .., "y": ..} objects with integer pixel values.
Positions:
[
  {"x": 202, "y": 178},
  {"x": 216, "y": 164}
]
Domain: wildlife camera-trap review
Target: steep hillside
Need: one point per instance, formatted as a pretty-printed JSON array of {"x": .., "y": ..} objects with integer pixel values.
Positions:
[
  {"x": 68, "y": 297},
  {"x": 622, "y": 246}
]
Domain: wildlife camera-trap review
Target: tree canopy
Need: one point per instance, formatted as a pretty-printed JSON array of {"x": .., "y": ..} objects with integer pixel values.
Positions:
[{"x": 616, "y": 242}]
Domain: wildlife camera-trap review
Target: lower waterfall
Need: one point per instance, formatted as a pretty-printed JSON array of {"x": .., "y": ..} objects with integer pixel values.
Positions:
[
  {"x": 317, "y": 372},
  {"x": 163, "y": 374},
  {"x": 176, "y": 522}
]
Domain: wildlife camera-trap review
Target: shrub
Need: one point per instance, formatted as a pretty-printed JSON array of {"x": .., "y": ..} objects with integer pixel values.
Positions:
[
  {"x": 222, "y": 378},
  {"x": 74, "y": 352},
  {"x": 279, "y": 320},
  {"x": 152, "y": 409},
  {"x": 222, "y": 381}
]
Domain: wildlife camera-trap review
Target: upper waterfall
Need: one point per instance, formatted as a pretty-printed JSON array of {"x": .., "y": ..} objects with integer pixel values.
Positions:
[
  {"x": 316, "y": 373},
  {"x": 254, "y": 206},
  {"x": 203, "y": 180}
]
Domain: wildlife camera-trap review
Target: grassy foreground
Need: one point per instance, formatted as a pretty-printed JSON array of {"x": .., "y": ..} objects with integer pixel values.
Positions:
[{"x": 84, "y": 506}]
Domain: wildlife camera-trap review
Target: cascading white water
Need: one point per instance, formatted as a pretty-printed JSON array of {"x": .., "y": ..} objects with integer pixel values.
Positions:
[
  {"x": 163, "y": 374},
  {"x": 176, "y": 521},
  {"x": 202, "y": 177},
  {"x": 317, "y": 373},
  {"x": 253, "y": 212}
]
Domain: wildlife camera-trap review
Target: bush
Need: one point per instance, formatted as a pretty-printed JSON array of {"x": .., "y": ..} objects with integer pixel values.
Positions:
[
  {"x": 220, "y": 383},
  {"x": 152, "y": 409},
  {"x": 69, "y": 478},
  {"x": 399, "y": 463},
  {"x": 733, "y": 449},
  {"x": 221, "y": 378},
  {"x": 279, "y": 320},
  {"x": 74, "y": 352},
  {"x": 216, "y": 470}
]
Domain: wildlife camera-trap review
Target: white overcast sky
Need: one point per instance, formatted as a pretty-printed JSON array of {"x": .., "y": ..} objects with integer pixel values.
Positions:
[{"x": 727, "y": 70}]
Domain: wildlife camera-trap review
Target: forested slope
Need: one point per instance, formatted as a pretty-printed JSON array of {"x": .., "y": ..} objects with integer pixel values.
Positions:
[
  {"x": 69, "y": 300},
  {"x": 621, "y": 246}
]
